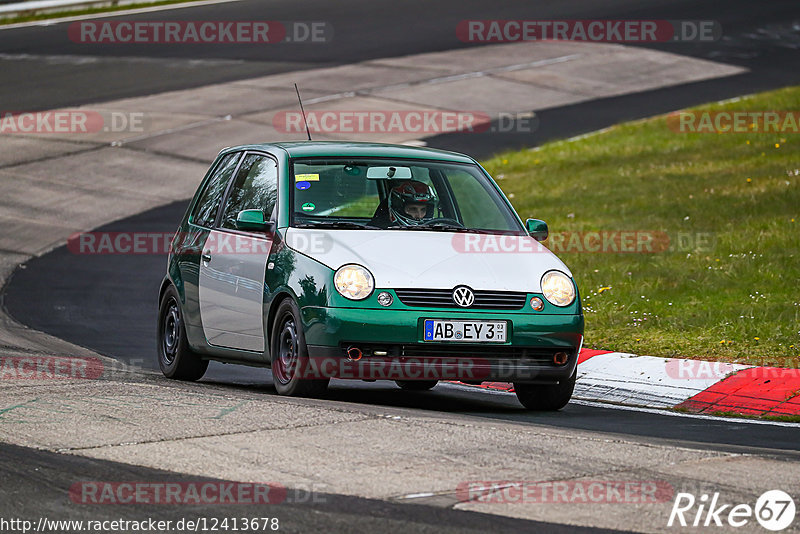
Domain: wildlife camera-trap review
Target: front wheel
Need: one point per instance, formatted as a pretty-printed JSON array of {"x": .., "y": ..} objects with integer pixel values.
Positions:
[
  {"x": 290, "y": 355},
  {"x": 175, "y": 358},
  {"x": 546, "y": 398},
  {"x": 416, "y": 385}
]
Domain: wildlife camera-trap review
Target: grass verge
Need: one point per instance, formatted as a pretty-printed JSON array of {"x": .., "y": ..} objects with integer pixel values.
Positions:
[
  {"x": 726, "y": 287},
  {"x": 87, "y": 11}
]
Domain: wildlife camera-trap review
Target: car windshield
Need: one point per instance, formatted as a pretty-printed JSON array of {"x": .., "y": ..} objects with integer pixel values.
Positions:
[{"x": 397, "y": 194}]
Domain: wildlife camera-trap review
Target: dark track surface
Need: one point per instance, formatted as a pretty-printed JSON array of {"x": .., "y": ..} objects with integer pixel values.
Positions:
[
  {"x": 43, "y": 69},
  {"x": 108, "y": 303},
  {"x": 38, "y": 484}
]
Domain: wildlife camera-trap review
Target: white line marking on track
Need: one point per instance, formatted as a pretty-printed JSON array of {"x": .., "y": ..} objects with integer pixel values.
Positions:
[
  {"x": 416, "y": 495},
  {"x": 108, "y": 14},
  {"x": 71, "y": 59}
]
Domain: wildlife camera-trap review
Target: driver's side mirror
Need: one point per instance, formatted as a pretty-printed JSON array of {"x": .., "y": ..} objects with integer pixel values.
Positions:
[
  {"x": 252, "y": 221},
  {"x": 537, "y": 229}
]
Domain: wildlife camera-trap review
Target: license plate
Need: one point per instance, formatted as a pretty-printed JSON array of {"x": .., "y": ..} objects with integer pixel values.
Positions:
[{"x": 469, "y": 331}]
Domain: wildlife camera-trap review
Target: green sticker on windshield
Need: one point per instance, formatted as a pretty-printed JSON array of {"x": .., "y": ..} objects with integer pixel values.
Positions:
[{"x": 308, "y": 206}]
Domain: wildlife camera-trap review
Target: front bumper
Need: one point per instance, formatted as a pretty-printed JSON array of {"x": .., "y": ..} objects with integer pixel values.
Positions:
[{"x": 390, "y": 342}]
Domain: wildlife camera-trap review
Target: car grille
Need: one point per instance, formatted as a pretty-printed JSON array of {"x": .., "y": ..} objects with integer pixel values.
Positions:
[
  {"x": 425, "y": 350},
  {"x": 443, "y": 298}
]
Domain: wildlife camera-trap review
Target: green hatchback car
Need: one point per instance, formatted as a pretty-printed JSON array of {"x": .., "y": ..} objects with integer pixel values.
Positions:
[{"x": 366, "y": 261}]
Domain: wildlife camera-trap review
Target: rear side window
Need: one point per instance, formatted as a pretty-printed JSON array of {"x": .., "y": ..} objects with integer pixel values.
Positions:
[
  {"x": 255, "y": 188},
  {"x": 205, "y": 212}
]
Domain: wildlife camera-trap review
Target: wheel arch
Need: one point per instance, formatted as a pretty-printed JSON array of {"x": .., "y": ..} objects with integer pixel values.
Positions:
[
  {"x": 165, "y": 283},
  {"x": 177, "y": 284},
  {"x": 270, "y": 316}
]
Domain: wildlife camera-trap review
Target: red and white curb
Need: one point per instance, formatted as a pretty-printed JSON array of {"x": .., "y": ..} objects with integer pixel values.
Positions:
[{"x": 693, "y": 385}]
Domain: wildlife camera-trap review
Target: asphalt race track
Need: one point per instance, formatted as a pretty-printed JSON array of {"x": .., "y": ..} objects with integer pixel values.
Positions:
[
  {"x": 41, "y": 494},
  {"x": 43, "y": 69},
  {"x": 107, "y": 303}
]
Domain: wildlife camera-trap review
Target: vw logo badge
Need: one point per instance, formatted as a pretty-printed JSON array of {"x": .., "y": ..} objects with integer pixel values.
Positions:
[{"x": 463, "y": 296}]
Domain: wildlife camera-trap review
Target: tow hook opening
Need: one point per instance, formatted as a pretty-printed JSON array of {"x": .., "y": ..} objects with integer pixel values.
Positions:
[{"x": 354, "y": 354}]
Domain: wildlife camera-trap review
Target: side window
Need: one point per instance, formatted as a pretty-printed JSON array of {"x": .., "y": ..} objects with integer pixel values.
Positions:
[
  {"x": 256, "y": 187},
  {"x": 205, "y": 212},
  {"x": 475, "y": 203}
]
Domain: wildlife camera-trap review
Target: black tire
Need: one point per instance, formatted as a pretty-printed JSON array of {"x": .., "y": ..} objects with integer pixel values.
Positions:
[
  {"x": 175, "y": 357},
  {"x": 289, "y": 353},
  {"x": 546, "y": 398},
  {"x": 416, "y": 385}
]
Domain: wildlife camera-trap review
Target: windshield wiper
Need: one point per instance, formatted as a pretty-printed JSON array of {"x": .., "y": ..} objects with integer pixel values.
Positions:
[
  {"x": 438, "y": 227},
  {"x": 345, "y": 225}
]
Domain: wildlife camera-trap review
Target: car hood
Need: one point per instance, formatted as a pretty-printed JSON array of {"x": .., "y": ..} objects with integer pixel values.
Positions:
[{"x": 435, "y": 260}]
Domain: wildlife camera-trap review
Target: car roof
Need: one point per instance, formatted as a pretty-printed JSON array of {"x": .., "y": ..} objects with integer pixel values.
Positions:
[{"x": 305, "y": 149}]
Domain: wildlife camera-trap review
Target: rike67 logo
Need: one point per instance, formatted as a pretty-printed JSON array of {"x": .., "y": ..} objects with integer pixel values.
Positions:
[{"x": 774, "y": 510}]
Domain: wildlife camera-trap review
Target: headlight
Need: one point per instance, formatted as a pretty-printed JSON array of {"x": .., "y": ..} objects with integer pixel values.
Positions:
[
  {"x": 353, "y": 282},
  {"x": 558, "y": 288}
]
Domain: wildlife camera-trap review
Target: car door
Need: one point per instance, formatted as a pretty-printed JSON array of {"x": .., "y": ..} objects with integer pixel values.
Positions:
[
  {"x": 202, "y": 219},
  {"x": 233, "y": 262}
]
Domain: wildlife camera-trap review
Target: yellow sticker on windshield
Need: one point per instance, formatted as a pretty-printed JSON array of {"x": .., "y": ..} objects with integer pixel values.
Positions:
[{"x": 306, "y": 177}]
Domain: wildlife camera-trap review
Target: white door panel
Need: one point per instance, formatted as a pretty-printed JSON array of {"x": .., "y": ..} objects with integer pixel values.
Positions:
[{"x": 232, "y": 290}]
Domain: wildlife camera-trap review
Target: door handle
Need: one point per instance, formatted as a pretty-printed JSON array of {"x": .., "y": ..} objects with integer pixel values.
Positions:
[{"x": 206, "y": 256}]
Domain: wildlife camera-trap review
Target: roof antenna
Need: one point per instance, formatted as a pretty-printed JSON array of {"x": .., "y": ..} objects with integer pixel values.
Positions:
[{"x": 308, "y": 132}]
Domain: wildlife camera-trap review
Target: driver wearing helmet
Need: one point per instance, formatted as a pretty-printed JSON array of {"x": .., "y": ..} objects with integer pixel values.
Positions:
[{"x": 410, "y": 203}]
